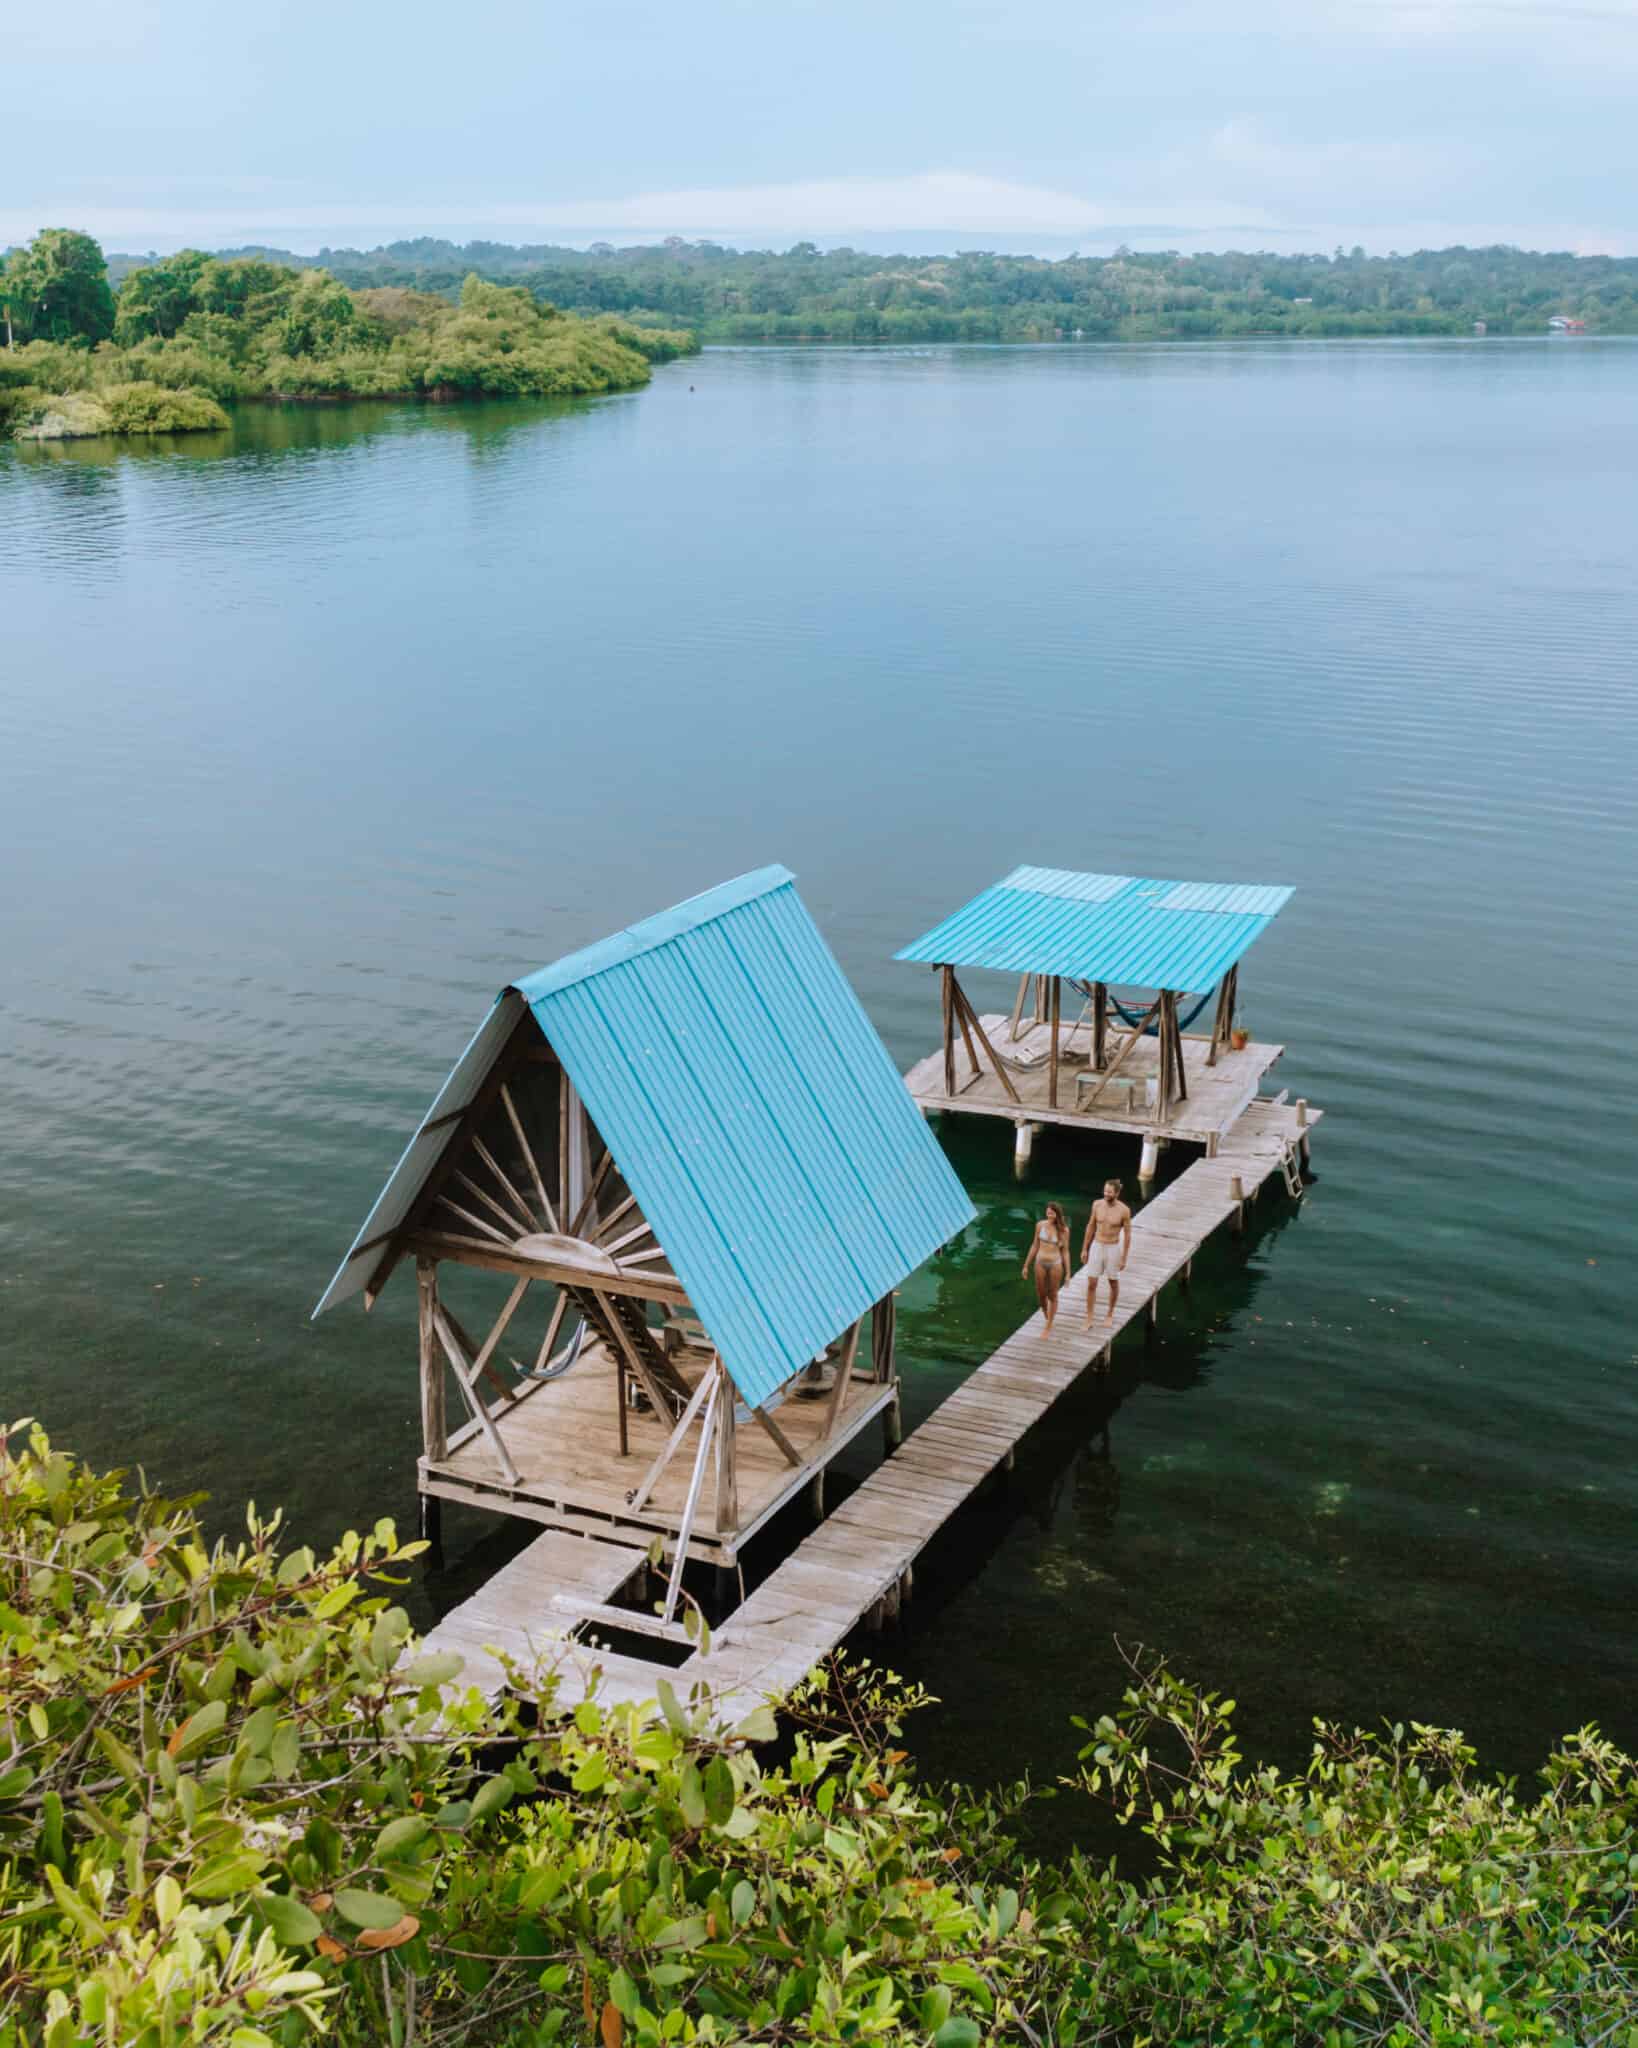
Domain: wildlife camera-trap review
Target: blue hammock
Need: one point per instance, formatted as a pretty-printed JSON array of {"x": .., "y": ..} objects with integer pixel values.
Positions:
[{"x": 1153, "y": 1030}]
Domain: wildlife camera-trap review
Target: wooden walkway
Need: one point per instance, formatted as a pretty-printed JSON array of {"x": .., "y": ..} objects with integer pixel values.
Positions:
[{"x": 860, "y": 1557}]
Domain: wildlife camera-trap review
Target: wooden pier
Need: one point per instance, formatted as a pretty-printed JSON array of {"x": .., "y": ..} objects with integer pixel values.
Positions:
[{"x": 551, "y": 1604}]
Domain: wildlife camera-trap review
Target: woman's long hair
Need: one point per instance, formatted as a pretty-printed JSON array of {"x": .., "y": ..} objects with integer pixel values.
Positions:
[{"x": 1055, "y": 1216}]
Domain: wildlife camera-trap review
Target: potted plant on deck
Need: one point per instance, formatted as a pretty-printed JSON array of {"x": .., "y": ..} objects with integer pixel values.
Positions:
[{"x": 1239, "y": 1037}]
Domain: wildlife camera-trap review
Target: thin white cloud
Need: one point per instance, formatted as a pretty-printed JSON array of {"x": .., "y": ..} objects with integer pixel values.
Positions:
[{"x": 928, "y": 201}]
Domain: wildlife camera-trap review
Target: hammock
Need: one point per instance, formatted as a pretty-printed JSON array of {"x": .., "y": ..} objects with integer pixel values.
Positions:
[{"x": 1127, "y": 1017}]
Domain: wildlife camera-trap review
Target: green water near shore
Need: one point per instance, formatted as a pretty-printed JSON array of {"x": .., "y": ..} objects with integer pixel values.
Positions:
[{"x": 315, "y": 736}]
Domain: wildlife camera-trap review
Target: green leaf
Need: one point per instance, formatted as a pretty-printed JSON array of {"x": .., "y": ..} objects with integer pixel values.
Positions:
[
  {"x": 592, "y": 1772},
  {"x": 676, "y": 1719},
  {"x": 368, "y": 1909},
  {"x": 935, "y": 2007},
  {"x": 399, "y": 1835},
  {"x": 221, "y": 1876},
  {"x": 285, "y": 1750},
  {"x": 298, "y": 1565},
  {"x": 758, "y": 1726},
  {"x": 691, "y": 1795},
  {"x": 623, "y": 1996},
  {"x": 958, "y": 2032},
  {"x": 198, "y": 1729},
  {"x": 719, "y": 1791},
  {"x": 16, "y": 1782},
  {"x": 743, "y": 1902},
  {"x": 258, "y": 1732},
  {"x": 293, "y": 1924},
  {"x": 438, "y": 1668},
  {"x": 489, "y": 1798}
]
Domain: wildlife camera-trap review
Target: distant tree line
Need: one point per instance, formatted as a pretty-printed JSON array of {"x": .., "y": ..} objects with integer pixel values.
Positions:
[
  {"x": 805, "y": 293},
  {"x": 186, "y": 334}
]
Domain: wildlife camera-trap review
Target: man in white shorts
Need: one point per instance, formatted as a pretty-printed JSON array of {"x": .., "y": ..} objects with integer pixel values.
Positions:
[{"x": 1104, "y": 1248}]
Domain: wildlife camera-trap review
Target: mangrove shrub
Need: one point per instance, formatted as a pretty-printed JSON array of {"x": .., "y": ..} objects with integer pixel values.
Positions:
[{"x": 239, "y": 1804}]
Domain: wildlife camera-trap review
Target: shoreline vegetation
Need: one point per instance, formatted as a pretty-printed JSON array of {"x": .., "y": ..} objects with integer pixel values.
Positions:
[
  {"x": 807, "y": 294},
  {"x": 186, "y": 338},
  {"x": 241, "y": 1807}
]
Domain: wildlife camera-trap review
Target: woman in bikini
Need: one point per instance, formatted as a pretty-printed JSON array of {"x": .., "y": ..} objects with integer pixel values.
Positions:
[{"x": 1049, "y": 1255}]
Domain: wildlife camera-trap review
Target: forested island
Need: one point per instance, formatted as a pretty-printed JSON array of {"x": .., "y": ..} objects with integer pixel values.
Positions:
[
  {"x": 809, "y": 294},
  {"x": 184, "y": 337}
]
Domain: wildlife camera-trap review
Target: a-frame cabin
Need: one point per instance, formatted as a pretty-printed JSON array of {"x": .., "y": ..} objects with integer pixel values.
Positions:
[{"x": 693, "y": 1167}]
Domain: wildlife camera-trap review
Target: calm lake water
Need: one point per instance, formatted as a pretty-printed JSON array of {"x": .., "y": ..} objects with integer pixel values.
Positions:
[{"x": 314, "y": 735}]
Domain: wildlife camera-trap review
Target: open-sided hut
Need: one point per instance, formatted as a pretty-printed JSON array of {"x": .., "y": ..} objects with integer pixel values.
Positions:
[
  {"x": 1113, "y": 970},
  {"x": 688, "y": 1145}
]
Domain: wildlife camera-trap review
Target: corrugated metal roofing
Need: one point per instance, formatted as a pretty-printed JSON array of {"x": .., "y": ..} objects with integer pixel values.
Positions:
[
  {"x": 1136, "y": 934},
  {"x": 756, "y": 1116}
]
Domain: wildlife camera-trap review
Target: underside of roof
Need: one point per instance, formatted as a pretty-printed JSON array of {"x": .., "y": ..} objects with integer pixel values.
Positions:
[
  {"x": 1117, "y": 929},
  {"x": 751, "y": 1109}
]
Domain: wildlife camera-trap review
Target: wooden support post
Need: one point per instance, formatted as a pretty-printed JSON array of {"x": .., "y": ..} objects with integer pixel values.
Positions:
[
  {"x": 844, "y": 1375},
  {"x": 971, "y": 1015},
  {"x": 1222, "y": 1017},
  {"x": 816, "y": 1494},
  {"x": 883, "y": 1326},
  {"x": 1180, "y": 1071},
  {"x": 685, "y": 1528},
  {"x": 727, "y": 1492},
  {"x": 1188, "y": 1273},
  {"x": 467, "y": 1376},
  {"x": 432, "y": 1530},
  {"x": 772, "y": 1429},
  {"x": 1151, "y": 1315},
  {"x": 1237, "y": 1195},
  {"x": 1100, "y": 1025},
  {"x": 893, "y": 1424},
  {"x": 1302, "y": 1128},
  {"x": 562, "y": 1141},
  {"x": 622, "y": 1389},
  {"x": 1052, "y": 1068},
  {"x": 434, "y": 1416},
  {"x": 972, "y": 1050},
  {"x": 1017, "y": 1017},
  {"x": 947, "y": 978},
  {"x": 583, "y": 1213}
]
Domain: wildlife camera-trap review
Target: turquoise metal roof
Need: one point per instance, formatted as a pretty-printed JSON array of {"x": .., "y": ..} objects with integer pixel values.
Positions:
[
  {"x": 754, "y": 1113},
  {"x": 1111, "y": 928}
]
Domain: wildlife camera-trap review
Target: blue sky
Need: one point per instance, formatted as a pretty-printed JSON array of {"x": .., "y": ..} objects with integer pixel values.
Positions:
[{"x": 1289, "y": 124}]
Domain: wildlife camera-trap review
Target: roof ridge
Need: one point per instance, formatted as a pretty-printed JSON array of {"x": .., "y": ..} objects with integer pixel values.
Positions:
[{"x": 650, "y": 932}]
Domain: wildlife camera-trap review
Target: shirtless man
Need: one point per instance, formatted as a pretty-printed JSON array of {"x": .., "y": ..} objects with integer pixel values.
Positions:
[{"x": 1105, "y": 1246}]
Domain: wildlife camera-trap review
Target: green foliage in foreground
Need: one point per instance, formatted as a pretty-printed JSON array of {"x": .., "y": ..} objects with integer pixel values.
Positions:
[
  {"x": 239, "y": 1806},
  {"x": 214, "y": 332}
]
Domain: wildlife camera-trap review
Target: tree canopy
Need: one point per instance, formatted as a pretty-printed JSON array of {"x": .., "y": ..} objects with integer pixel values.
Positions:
[
  {"x": 57, "y": 289},
  {"x": 805, "y": 293},
  {"x": 214, "y": 330}
]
